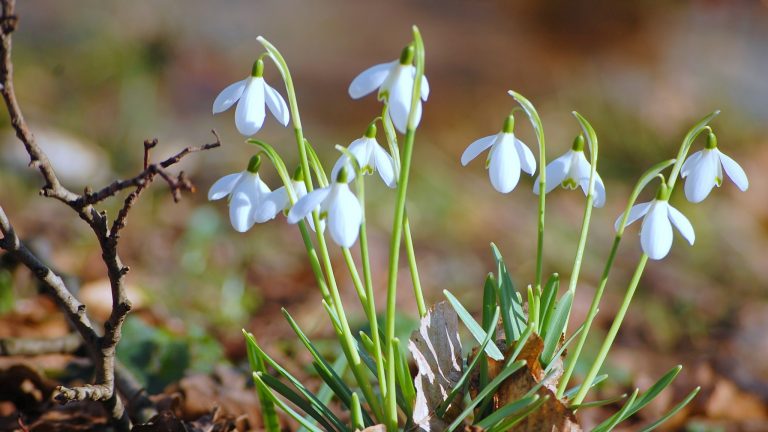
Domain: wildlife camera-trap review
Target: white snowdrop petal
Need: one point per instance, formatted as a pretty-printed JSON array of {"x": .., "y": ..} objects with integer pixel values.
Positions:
[
  {"x": 701, "y": 177},
  {"x": 241, "y": 205},
  {"x": 228, "y": 96},
  {"x": 342, "y": 161},
  {"x": 279, "y": 198},
  {"x": 362, "y": 149},
  {"x": 223, "y": 186},
  {"x": 344, "y": 217},
  {"x": 385, "y": 165},
  {"x": 424, "y": 88},
  {"x": 690, "y": 163},
  {"x": 599, "y": 200},
  {"x": 636, "y": 212},
  {"x": 276, "y": 104},
  {"x": 656, "y": 232},
  {"x": 504, "y": 169},
  {"x": 369, "y": 80},
  {"x": 682, "y": 224},
  {"x": 306, "y": 204},
  {"x": 734, "y": 171},
  {"x": 477, "y": 147},
  {"x": 527, "y": 160},
  {"x": 556, "y": 172},
  {"x": 249, "y": 114}
]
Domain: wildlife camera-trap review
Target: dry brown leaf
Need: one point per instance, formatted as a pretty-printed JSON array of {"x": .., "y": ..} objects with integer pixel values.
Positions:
[
  {"x": 437, "y": 350},
  {"x": 553, "y": 415}
]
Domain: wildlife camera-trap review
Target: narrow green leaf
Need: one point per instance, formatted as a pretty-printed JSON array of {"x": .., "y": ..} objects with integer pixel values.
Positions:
[
  {"x": 323, "y": 367},
  {"x": 652, "y": 392},
  {"x": 321, "y": 361},
  {"x": 507, "y": 424},
  {"x": 474, "y": 328},
  {"x": 563, "y": 348},
  {"x": 460, "y": 384},
  {"x": 615, "y": 419},
  {"x": 506, "y": 411},
  {"x": 572, "y": 391},
  {"x": 406, "y": 392},
  {"x": 508, "y": 299},
  {"x": 290, "y": 411},
  {"x": 548, "y": 297},
  {"x": 489, "y": 300},
  {"x": 271, "y": 421},
  {"x": 319, "y": 406},
  {"x": 672, "y": 412},
  {"x": 356, "y": 413},
  {"x": 556, "y": 327},
  {"x": 598, "y": 403},
  {"x": 490, "y": 388},
  {"x": 325, "y": 394},
  {"x": 308, "y": 408}
]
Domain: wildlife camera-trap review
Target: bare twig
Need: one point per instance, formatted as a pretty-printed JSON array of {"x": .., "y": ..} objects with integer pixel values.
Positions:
[
  {"x": 100, "y": 347},
  {"x": 31, "y": 347}
]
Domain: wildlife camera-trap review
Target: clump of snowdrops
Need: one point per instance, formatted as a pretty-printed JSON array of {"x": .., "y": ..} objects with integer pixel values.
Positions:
[{"x": 518, "y": 376}]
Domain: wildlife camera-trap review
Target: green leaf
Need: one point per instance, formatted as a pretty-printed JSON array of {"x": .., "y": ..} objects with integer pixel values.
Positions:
[
  {"x": 652, "y": 392},
  {"x": 485, "y": 392},
  {"x": 511, "y": 303},
  {"x": 556, "y": 327},
  {"x": 672, "y": 412},
  {"x": 269, "y": 416},
  {"x": 548, "y": 297},
  {"x": 489, "y": 301},
  {"x": 317, "y": 404},
  {"x": 572, "y": 391},
  {"x": 460, "y": 384},
  {"x": 506, "y": 411},
  {"x": 291, "y": 412},
  {"x": 293, "y": 397},
  {"x": 323, "y": 368},
  {"x": 406, "y": 392},
  {"x": 615, "y": 419},
  {"x": 356, "y": 413},
  {"x": 507, "y": 424},
  {"x": 598, "y": 403},
  {"x": 474, "y": 328}
]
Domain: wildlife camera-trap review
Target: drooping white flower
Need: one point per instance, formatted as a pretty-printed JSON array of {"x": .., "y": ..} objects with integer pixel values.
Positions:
[
  {"x": 508, "y": 155},
  {"x": 394, "y": 80},
  {"x": 251, "y": 94},
  {"x": 572, "y": 170},
  {"x": 656, "y": 231},
  {"x": 370, "y": 157},
  {"x": 248, "y": 203},
  {"x": 704, "y": 170},
  {"x": 280, "y": 200},
  {"x": 337, "y": 205}
]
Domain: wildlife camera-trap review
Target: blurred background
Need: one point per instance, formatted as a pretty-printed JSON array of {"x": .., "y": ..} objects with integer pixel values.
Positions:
[{"x": 96, "y": 78}]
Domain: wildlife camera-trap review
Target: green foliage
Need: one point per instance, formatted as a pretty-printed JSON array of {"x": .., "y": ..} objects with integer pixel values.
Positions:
[{"x": 158, "y": 357}]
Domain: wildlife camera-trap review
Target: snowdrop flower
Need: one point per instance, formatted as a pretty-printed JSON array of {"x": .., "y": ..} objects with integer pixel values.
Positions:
[
  {"x": 370, "y": 157},
  {"x": 656, "y": 231},
  {"x": 252, "y": 93},
  {"x": 704, "y": 170},
  {"x": 338, "y": 205},
  {"x": 395, "y": 83},
  {"x": 507, "y": 157},
  {"x": 280, "y": 200},
  {"x": 248, "y": 194},
  {"x": 572, "y": 170}
]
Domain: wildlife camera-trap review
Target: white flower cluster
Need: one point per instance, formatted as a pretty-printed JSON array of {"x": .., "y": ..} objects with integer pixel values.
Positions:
[
  {"x": 251, "y": 201},
  {"x": 703, "y": 170}
]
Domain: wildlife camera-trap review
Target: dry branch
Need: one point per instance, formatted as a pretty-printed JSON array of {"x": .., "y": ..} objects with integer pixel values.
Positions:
[{"x": 101, "y": 347}]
